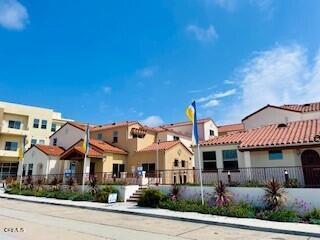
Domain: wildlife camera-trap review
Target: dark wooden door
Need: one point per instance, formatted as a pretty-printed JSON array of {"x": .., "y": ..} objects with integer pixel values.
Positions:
[{"x": 310, "y": 160}]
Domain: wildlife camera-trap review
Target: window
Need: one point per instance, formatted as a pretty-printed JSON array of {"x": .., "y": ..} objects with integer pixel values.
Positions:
[
  {"x": 115, "y": 137},
  {"x": 44, "y": 124},
  {"x": 55, "y": 141},
  {"x": 30, "y": 168},
  {"x": 24, "y": 167},
  {"x": 176, "y": 138},
  {"x": 176, "y": 163},
  {"x": 53, "y": 127},
  {"x": 11, "y": 146},
  {"x": 14, "y": 124},
  {"x": 8, "y": 169},
  {"x": 117, "y": 169},
  {"x": 36, "y": 123},
  {"x": 41, "y": 141},
  {"x": 211, "y": 132},
  {"x": 183, "y": 163},
  {"x": 230, "y": 159},
  {"x": 209, "y": 161},
  {"x": 33, "y": 141},
  {"x": 149, "y": 167},
  {"x": 99, "y": 136},
  {"x": 275, "y": 155}
]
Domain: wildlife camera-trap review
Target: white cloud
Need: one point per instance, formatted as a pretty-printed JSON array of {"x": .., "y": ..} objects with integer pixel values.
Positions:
[
  {"x": 232, "y": 5},
  {"x": 202, "y": 34},
  {"x": 107, "y": 89},
  {"x": 229, "y": 5},
  {"x": 217, "y": 95},
  {"x": 13, "y": 15},
  {"x": 230, "y": 82},
  {"x": 276, "y": 76},
  {"x": 152, "y": 121},
  {"x": 147, "y": 71},
  {"x": 211, "y": 103}
]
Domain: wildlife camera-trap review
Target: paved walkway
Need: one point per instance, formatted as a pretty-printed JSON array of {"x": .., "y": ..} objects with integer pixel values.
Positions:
[{"x": 245, "y": 223}]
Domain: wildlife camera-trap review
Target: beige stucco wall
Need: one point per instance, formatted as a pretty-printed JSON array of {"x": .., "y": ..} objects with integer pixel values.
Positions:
[
  {"x": 26, "y": 115},
  {"x": 271, "y": 115},
  {"x": 67, "y": 136},
  {"x": 37, "y": 157},
  {"x": 219, "y": 158}
]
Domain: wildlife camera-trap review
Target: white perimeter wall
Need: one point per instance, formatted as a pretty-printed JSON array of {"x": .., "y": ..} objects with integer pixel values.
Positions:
[{"x": 306, "y": 196}]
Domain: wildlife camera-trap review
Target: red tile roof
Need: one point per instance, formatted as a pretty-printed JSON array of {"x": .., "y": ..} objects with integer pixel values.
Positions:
[
  {"x": 112, "y": 125},
  {"x": 294, "y": 133},
  {"x": 50, "y": 150},
  {"x": 308, "y": 107},
  {"x": 106, "y": 147},
  {"x": 92, "y": 152},
  {"x": 161, "y": 146},
  {"x": 231, "y": 127},
  {"x": 185, "y": 123},
  {"x": 163, "y": 129}
]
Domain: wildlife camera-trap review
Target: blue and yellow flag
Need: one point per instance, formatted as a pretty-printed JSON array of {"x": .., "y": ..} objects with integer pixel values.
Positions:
[
  {"x": 86, "y": 140},
  {"x": 22, "y": 148},
  {"x": 191, "y": 113}
]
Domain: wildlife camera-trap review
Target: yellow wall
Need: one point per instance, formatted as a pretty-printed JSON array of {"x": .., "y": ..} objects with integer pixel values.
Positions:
[{"x": 26, "y": 115}]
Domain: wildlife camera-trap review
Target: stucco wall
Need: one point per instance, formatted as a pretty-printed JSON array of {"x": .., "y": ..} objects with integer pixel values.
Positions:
[
  {"x": 252, "y": 195},
  {"x": 67, "y": 136},
  {"x": 271, "y": 115}
]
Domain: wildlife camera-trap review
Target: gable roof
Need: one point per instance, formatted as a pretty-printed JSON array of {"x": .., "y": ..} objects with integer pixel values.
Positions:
[
  {"x": 307, "y": 107},
  {"x": 163, "y": 146},
  {"x": 275, "y": 135},
  {"x": 49, "y": 150},
  {"x": 113, "y": 125},
  {"x": 78, "y": 125},
  {"x": 163, "y": 129},
  {"x": 178, "y": 124},
  {"x": 231, "y": 127},
  {"x": 268, "y": 105},
  {"x": 106, "y": 147}
]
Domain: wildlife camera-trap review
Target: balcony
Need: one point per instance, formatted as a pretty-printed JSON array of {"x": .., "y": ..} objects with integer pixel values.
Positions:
[
  {"x": 6, "y": 153},
  {"x": 13, "y": 131}
]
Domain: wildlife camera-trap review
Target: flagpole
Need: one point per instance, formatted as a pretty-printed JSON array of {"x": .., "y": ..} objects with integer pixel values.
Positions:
[
  {"x": 22, "y": 160},
  {"x": 200, "y": 170},
  {"x": 84, "y": 170},
  {"x": 86, "y": 150}
]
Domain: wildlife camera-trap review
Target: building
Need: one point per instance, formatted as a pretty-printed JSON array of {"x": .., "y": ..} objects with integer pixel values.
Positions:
[
  {"x": 116, "y": 149},
  {"x": 264, "y": 152},
  {"x": 230, "y": 129},
  {"x": 270, "y": 114},
  {"x": 206, "y": 128},
  {"x": 17, "y": 121}
]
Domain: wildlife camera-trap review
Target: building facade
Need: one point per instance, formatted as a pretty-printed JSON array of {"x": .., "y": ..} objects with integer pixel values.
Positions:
[{"x": 18, "y": 121}]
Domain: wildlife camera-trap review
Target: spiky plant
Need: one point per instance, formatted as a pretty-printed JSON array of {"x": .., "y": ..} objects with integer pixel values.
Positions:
[
  {"x": 174, "y": 192},
  {"x": 275, "y": 195},
  {"x": 222, "y": 196},
  {"x": 93, "y": 185}
]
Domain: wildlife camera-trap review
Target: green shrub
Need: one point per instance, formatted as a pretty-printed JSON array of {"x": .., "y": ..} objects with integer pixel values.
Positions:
[
  {"x": 292, "y": 183},
  {"x": 82, "y": 197},
  {"x": 150, "y": 198},
  {"x": 232, "y": 210},
  {"x": 313, "y": 216},
  {"x": 253, "y": 184},
  {"x": 282, "y": 215},
  {"x": 103, "y": 194}
]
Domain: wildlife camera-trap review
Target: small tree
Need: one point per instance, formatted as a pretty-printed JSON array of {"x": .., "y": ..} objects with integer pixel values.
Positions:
[
  {"x": 275, "y": 195},
  {"x": 222, "y": 196}
]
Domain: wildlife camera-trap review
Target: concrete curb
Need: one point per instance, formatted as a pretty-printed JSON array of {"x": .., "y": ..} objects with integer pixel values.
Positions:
[{"x": 185, "y": 219}]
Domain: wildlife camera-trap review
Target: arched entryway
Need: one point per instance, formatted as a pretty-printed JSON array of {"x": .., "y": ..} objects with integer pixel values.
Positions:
[{"x": 310, "y": 160}]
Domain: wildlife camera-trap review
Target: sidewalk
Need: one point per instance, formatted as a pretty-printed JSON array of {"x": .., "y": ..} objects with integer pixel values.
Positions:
[{"x": 131, "y": 208}]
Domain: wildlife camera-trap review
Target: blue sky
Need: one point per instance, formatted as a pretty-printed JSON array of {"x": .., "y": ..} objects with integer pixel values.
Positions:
[{"x": 103, "y": 61}]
